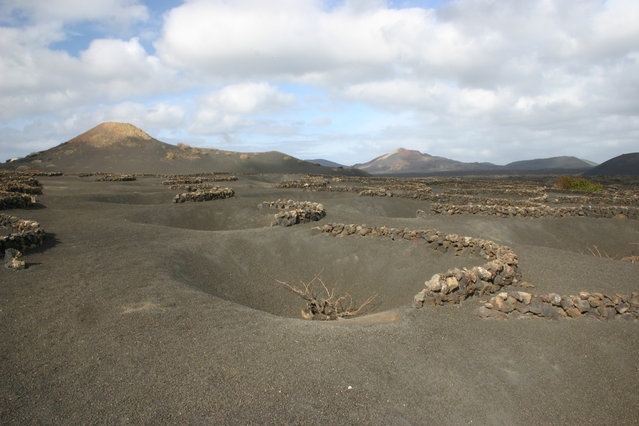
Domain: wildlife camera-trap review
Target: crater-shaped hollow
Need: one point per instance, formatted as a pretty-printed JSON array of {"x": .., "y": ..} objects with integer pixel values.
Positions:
[
  {"x": 134, "y": 198},
  {"x": 244, "y": 268},
  {"x": 215, "y": 215}
]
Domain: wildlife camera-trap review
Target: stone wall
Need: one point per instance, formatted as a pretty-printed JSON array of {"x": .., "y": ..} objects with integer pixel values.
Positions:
[
  {"x": 294, "y": 212},
  {"x": 15, "y": 200},
  {"x": 179, "y": 180},
  {"x": 24, "y": 234},
  {"x": 513, "y": 197},
  {"x": 500, "y": 270},
  {"x": 307, "y": 182},
  {"x": 454, "y": 285},
  {"x": 518, "y": 304},
  {"x": 214, "y": 193},
  {"x": 116, "y": 177},
  {"x": 24, "y": 184},
  {"x": 599, "y": 211},
  {"x": 17, "y": 190}
]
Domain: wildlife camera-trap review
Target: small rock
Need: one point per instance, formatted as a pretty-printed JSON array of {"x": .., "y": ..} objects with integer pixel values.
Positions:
[
  {"x": 622, "y": 308},
  {"x": 549, "y": 311},
  {"x": 485, "y": 312},
  {"x": 536, "y": 306},
  {"x": 484, "y": 274},
  {"x": 594, "y": 301},
  {"x": 451, "y": 285},
  {"x": 434, "y": 284},
  {"x": 573, "y": 312},
  {"x": 554, "y": 299},
  {"x": 418, "y": 300},
  {"x": 584, "y": 295},
  {"x": 429, "y": 300},
  {"x": 522, "y": 308},
  {"x": 582, "y": 305},
  {"x": 497, "y": 303},
  {"x": 566, "y": 303},
  {"x": 522, "y": 296},
  {"x": 12, "y": 259},
  {"x": 605, "y": 312}
]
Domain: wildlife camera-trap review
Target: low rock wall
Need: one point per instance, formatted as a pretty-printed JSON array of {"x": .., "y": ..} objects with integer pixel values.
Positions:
[
  {"x": 194, "y": 187},
  {"x": 15, "y": 200},
  {"x": 215, "y": 193},
  {"x": 518, "y": 304},
  {"x": 294, "y": 212},
  {"x": 308, "y": 182},
  {"x": 24, "y": 234},
  {"x": 500, "y": 270},
  {"x": 456, "y": 284},
  {"x": 24, "y": 184},
  {"x": 599, "y": 211},
  {"x": 116, "y": 177},
  {"x": 176, "y": 181}
]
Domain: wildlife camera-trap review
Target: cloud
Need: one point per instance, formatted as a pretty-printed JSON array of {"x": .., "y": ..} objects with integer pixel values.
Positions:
[
  {"x": 39, "y": 80},
  {"x": 474, "y": 79},
  {"x": 227, "y": 110},
  {"x": 293, "y": 39},
  {"x": 115, "y": 12}
]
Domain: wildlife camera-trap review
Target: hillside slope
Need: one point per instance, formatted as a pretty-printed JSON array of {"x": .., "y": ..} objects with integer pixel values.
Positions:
[{"x": 124, "y": 148}]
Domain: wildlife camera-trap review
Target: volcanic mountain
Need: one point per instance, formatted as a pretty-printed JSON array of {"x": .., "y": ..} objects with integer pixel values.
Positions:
[
  {"x": 124, "y": 148},
  {"x": 553, "y": 163},
  {"x": 410, "y": 162},
  {"x": 405, "y": 162},
  {"x": 622, "y": 165}
]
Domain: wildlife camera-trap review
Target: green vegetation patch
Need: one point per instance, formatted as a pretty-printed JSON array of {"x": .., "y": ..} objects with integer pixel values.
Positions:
[{"x": 573, "y": 183}]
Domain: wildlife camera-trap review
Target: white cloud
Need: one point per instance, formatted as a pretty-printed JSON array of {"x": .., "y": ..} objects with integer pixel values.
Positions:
[
  {"x": 476, "y": 78},
  {"x": 228, "y": 109},
  {"x": 40, "y": 80},
  {"x": 117, "y": 69},
  {"x": 116, "y": 12},
  {"x": 294, "y": 39}
]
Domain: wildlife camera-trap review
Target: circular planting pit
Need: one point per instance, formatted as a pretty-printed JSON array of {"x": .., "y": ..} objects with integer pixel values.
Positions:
[
  {"x": 214, "y": 215},
  {"x": 135, "y": 198},
  {"x": 245, "y": 268}
]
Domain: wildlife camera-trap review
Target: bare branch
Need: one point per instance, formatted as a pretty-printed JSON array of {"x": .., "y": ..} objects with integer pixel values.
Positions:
[{"x": 328, "y": 307}]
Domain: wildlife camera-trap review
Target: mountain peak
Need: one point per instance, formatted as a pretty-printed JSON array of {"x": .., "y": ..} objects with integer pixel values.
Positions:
[
  {"x": 111, "y": 133},
  {"x": 410, "y": 161}
]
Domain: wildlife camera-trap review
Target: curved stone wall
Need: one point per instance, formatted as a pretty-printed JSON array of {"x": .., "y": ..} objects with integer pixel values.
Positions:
[
  {"x": 500, "y": 270},
  {"x": 15, "y": 200},
  {"x": 513, "y": 197},
  {"x": 599, "y": 211},
  {"x": 24, "y": 234},
  {"x": 454, "y": 285},
  {"x": 214, "y": 193},
  {"x": 116, "y": 177},
  {"x": 518, "y": 304},
  {"x": 294, "y": 212}
]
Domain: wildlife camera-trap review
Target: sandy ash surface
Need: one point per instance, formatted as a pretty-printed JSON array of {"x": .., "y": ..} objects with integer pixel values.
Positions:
[{"x": 144, "y": 311}]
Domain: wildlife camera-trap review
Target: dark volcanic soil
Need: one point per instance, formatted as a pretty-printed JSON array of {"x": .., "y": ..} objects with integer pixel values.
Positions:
[{"x": 144, "y": 311}]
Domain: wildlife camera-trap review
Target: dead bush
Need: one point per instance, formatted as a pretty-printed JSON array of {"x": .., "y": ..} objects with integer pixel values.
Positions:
[{"x": 323, "y": 304}]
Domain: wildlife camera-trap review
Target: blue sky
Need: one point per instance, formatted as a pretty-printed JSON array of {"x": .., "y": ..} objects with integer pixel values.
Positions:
[{"x": 472, "y": 80}]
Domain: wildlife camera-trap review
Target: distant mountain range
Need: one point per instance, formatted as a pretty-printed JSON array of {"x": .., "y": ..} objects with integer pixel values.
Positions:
[
  {"x": 623, "y": 165},
  {"x": 124, "y": 148},
  {"x": 410, "y": 162}
]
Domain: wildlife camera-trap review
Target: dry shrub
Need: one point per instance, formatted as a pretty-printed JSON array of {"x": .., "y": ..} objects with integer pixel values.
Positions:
[
  {"x": 572, "y": 183},
  {"x": 323, "y": 304}
]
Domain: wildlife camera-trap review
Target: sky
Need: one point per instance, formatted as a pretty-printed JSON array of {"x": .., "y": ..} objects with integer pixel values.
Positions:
[{"x": 343, "y": 80}]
